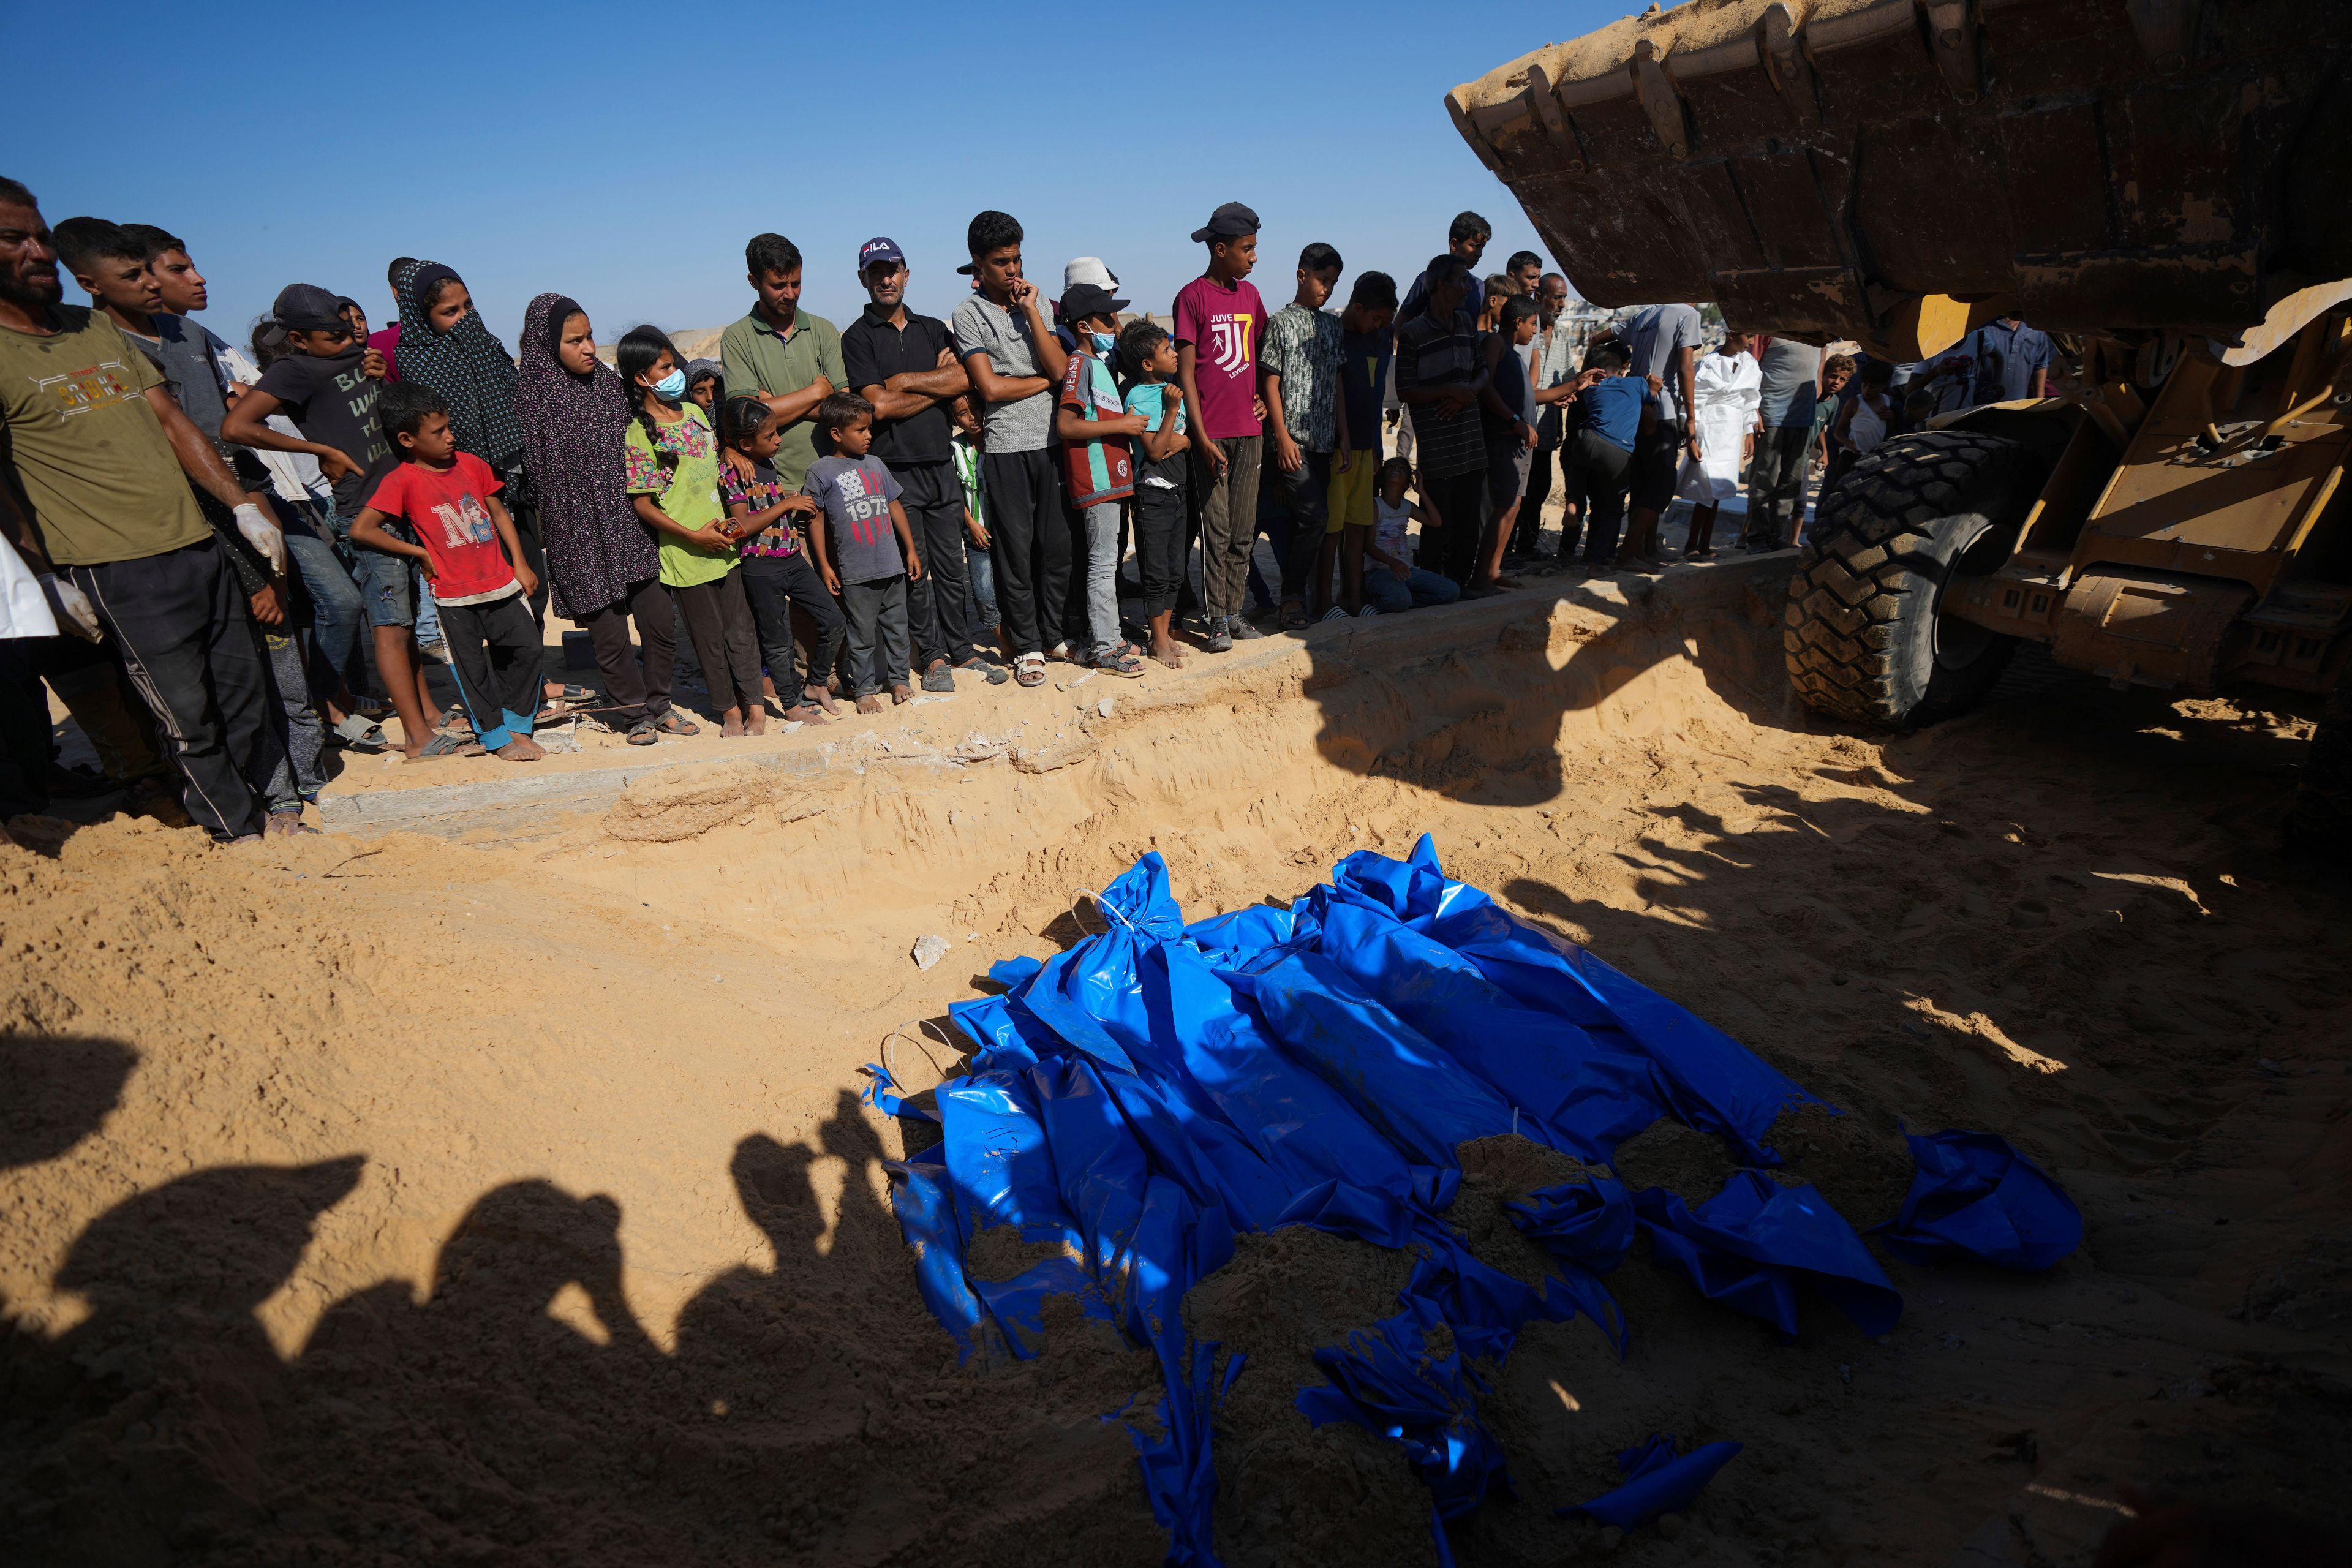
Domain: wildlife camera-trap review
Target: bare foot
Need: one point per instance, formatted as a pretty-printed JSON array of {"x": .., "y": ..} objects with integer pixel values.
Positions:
[
  {"x": 756, "y": 723},
  {"x": 1168, "y": 653},
  {"x": 731, "y": 723},
  {"x": 902, "y": 693},
  {"x": 804, "y": 713},
  {"x": 521, "y": 749},
  {"x": 822, "y": 697},
  {"x": 870, "y": 703}
]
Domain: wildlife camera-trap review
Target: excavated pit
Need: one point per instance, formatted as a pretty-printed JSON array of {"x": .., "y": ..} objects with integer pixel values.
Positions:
[{"x": 498, "y": 1191}]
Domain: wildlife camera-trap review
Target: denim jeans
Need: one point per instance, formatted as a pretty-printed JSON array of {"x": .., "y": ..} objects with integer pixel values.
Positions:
[
  {"x": 335, "y": 609},
  {"x": 983, "y": 596},
  {"x": 1102, "y": 577},
  {"x": 1416, "y": 591}
]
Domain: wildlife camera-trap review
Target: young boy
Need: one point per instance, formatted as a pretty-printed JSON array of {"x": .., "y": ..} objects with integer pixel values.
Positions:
[
  {"x": 1366, "y": 340},
  {"x": 864, "y": 547},
  {"x": 966, "y": 447},
  {"x": 471, "y": 557},
  {"x": 1508, "y": 403},
  {"x": 323, "y": 384},
  {"x": 1004, "y": 342},
  {"x": 1619, "y": 411},
  {"x": 1161, "y": 479},
  {"x": 1864, "y": 421},
  {"x": 1300, "y": 380},
  {"x": 1439, "y": 376},
  {"x": 1098, "y": 438},
  {"x": 1220, "y": 322}
]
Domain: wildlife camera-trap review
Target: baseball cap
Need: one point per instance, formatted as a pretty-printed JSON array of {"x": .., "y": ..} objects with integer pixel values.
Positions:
[
  {"x": 880, "y": 249},
  {"x": 307, "y": 308},
  {"x": 1083, "y": 300},
  {"x": 1229, "y": 221},
  {"x": 1088, "y": 270}
]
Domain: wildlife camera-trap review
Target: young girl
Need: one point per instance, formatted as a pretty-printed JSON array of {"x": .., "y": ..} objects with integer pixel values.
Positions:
[
  {"x": 775, "y": 570},
  {"x": 670, "y": 468},
  {"x": 1725, "y": 393},
  {"x": 1391, "y": 582}
]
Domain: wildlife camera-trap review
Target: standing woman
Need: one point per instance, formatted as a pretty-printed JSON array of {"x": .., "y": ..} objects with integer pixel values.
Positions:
[
  {"x": 602, "y": 565},
  {"x": 1725, "y": 393}
]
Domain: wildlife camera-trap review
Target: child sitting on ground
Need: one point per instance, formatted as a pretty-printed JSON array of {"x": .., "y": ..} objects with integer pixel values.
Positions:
[
  {"x": 775, "y": 570},
  {"x": 470, "y": 556},
  {"x": 863, "y": 548},
  {"x": 1391, "y": 583},
  {"x": 1160, "y": 478}
]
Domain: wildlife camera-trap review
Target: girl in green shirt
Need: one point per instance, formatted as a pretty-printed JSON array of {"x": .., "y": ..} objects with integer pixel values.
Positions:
[{"x": 670, "y": 466}]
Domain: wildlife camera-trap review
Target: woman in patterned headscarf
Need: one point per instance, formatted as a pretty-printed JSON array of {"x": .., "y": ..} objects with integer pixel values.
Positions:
[{"x": 601, "y": 562}]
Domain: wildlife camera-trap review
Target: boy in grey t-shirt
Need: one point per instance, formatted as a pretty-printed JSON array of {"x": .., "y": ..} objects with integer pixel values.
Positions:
[{"x": 863, "y": 548}]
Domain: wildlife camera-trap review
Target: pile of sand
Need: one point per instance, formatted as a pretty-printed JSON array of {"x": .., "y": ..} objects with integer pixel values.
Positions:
[{"x": 395, "y": 1203}]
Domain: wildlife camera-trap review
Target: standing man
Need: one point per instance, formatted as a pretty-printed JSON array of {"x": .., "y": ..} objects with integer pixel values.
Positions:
[
  {"x": 1665, "y": 345},
  {"x": 905, "y": 364},
  {"x": 1465, "y": 241},
  {"x": 1525, "y": 268},
  {"x": 1220, "y": 328},
  {"x": 1014, "y": 361},
  {"x": 102, "y": 454},
  {"x": 2012, "y": 362},
  {"x": 1439, "y": 375},
  {"x": 787, "y": 358},
  {"x": 1776, "y": 484},
  {"x": 1555, "y": 370}
]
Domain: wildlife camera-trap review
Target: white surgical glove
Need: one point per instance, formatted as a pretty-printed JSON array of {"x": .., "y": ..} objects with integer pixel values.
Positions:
[
  {"x": 72, "y": 607},
  {"x": 263, "y": 536}
]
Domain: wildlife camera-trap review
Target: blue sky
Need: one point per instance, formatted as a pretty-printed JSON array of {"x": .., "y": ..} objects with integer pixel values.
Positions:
[{"x": 623, "y": 153}]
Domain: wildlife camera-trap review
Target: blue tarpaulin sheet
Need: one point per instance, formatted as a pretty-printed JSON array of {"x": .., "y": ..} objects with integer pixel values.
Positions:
[
  {"x": 1656, "y": 1481},
  {"x": 1136, "y": 1101}
]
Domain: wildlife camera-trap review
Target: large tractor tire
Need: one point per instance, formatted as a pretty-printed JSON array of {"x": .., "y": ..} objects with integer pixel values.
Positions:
[{"x": 1863, "y": 636}]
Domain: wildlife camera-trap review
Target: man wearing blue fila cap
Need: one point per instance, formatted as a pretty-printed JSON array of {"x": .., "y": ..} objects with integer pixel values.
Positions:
[{"x": 905, "y": 364}]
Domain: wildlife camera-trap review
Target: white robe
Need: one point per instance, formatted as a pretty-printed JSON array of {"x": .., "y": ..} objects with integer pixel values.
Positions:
[
  {"x": 1725, "y": 391},
  {"x": 23, "y": 608}
]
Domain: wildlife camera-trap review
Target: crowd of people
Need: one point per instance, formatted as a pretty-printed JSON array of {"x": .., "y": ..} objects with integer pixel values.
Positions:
[{"x": 823, "y": 516}]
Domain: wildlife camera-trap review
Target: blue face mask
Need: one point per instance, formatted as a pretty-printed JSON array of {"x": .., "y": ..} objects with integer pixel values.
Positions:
[
  {"x": 1104, "y": 344},
  {"x": 671, "y": 387}
]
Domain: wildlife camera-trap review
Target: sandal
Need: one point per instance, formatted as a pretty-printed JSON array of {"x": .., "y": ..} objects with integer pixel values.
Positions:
[
  {"x": 1119, "y": 662},
  {"x": 1029, "y": 669},
  {"x": 358, "y": 734},
  {"x": 987, "y": 670},
  {"x": 286, "y": 824},
  {"x": 571, "y": 693},
  {"x": 640, "y": 733},
  {"x": 677, "y": 723},
  {"x": 444, "y": 745},
  {"x": 1294, "y": 616}
]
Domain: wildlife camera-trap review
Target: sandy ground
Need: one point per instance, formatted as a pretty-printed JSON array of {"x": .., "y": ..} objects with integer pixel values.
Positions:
[{"x": 392, "y": 1202}]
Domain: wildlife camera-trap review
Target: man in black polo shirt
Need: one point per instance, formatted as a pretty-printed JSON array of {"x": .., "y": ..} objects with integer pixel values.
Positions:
[{"x": 905, "y": 364}]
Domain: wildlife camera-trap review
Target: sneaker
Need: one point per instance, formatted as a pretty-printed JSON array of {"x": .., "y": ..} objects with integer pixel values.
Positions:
[
  {"x": 938, "y": 677},
  {"x": 1334, "y": 614},
  {"x": 1242, "y": 630},
  {"x": 1220, "y": 639},
  {"x": 1368, "y": 612}
]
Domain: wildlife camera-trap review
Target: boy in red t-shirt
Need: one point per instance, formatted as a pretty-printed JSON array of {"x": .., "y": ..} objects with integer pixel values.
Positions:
[
  {"x": 449, "y": 498},
  {"x": 1220, "y": 321}
]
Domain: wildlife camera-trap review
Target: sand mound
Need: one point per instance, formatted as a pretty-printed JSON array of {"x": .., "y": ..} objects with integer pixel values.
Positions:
[{"x": 396, "y": 1202}]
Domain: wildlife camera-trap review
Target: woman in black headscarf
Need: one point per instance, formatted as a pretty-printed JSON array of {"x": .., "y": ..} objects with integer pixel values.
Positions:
[{"x": 602, "y": 566}]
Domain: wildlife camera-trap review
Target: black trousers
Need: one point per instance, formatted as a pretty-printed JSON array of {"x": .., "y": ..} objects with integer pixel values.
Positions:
[
  {"x": 495, "y": 653},
  {"x": 24, "y": 730},
  {"x": 1160, "y": 546},
  {"x": 179, "y": 624},
  {"x": 878, "y": 632},
  {"x": 90, "y": 681},
  {"x": 933, "y": 498},
  {"x": 774, "y": 585},
  {"x": 718, "y": 623},
  {"x": 1460, "y": 499},
  {"x": 1604, "y": 468},
  {"x": 1031, "y": 529},
  {"x": 1308, "y": 494},
  {"x": 638, "y": 689}
]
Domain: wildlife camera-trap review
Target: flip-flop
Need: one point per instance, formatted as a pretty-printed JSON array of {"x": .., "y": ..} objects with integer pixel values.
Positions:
[
  {"x": 571, "y": 693},
  {"x": 444, "y": 745},
  {"x": 358, "y": 734}
]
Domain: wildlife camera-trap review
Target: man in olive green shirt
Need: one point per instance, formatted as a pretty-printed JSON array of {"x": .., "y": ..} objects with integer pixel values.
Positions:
[
  {"x": 782, "y": 354},
  {"x": 98, "y": 460}
]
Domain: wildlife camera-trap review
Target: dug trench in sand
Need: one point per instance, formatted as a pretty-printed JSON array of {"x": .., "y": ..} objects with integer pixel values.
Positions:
[{"x": 389, "y": 1201}]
